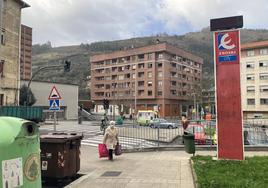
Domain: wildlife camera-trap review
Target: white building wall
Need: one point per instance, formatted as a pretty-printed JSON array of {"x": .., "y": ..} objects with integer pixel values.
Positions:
[
  {"x": 257, "y": 109},
  {"x": 69, "y": 94}
]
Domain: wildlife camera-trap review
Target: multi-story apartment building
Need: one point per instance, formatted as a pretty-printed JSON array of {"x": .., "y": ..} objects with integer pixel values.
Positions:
[
  {"x": 10, "y": 23},
  {"x": 26, "y": 53},
  {"x": 158, "y": 76},
  {"x": 208, "y": 100},
  {"x": 254, "y": 79}
]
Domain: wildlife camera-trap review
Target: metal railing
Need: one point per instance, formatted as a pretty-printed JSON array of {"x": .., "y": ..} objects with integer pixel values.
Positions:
[{"x": 133, "y": 136}]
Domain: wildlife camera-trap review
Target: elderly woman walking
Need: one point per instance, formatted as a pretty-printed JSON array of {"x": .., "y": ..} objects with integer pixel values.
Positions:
[{"x": 111, "y": 138}]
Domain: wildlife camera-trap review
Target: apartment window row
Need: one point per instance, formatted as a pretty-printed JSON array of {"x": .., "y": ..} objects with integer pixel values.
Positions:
[
  {"x": 187, "y": 61},
  {"x": 139, "y": 57},
  {"x": 263, "y": 51},
  {"x": 142, "y": 93},
  {"x": 263, "y": 88},
  {"x": 262, "y": 76},
  {"x": 251, "y": 65},
  {"x": 263, "y": 101}
]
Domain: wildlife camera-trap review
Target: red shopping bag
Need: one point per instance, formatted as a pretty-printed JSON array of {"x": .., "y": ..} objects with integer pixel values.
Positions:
[
  {"x": 103, "y": 152},
  {"x": 118, "y": 149}
]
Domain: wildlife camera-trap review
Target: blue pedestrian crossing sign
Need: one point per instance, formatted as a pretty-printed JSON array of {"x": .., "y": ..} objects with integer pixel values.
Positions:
[{"x": 54, "y": 104}]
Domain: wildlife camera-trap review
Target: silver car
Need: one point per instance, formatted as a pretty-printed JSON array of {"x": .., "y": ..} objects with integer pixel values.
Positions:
[{"x": 162, "y": 123}]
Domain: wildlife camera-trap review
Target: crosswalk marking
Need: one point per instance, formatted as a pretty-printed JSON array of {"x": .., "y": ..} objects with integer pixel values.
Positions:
[{"x": 126, "y": 142}]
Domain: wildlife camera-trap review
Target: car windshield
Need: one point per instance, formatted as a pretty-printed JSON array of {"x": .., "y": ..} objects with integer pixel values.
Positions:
[{"x": 195, "y": 129}]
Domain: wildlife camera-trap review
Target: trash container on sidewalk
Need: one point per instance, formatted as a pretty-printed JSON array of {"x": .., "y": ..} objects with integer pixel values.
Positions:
[
  {"x": 60, "y": 155},
  {"x": 189, "y": 142},
  {"x": 19, "y": 153}
]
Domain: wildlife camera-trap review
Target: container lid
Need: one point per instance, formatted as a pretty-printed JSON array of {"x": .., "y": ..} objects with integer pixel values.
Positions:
[
  {"x": 11, "y": 128},
  {"x": 60, "y": 137}
]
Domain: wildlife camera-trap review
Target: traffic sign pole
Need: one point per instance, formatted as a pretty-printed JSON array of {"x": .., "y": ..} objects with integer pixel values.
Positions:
[{"x": 55, "y": 116}]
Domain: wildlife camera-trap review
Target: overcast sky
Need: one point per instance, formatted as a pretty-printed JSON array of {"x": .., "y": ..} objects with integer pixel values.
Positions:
[{"x": 68, "y": 22}]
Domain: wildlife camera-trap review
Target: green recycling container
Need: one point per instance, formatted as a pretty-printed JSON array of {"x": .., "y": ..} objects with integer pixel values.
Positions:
[
  {"x": 19, "y": 153},
  {"x": 189, "y": 143}
]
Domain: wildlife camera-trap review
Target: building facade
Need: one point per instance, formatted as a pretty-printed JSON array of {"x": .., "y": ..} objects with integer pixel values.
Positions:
[
  {"x": 10, "y": 23},
  {"x": 254, "y": 79},
  {"x": 157, "y": 77},
  {"x": 26, "y": 53}
]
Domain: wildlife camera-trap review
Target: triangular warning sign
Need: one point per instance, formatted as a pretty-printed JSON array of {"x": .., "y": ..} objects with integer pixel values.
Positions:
[{"x": 54, "y": 94}]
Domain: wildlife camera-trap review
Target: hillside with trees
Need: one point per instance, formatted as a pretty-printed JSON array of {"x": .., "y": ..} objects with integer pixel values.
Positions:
[{"x": 199, "y": 43}]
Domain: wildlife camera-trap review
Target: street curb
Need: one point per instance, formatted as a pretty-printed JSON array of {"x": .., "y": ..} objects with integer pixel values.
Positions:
[
  {"x": 198, "y": 148},
  {"x": 193, "y": 174},
  {"x": 79, "y": 180}
]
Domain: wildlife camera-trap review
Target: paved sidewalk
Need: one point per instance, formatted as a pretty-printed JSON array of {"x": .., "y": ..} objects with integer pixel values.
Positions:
[{"x": 163, "y": 169}]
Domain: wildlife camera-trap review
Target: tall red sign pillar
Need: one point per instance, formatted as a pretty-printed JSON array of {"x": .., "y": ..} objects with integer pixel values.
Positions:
[{"x": 228, "y": 95}]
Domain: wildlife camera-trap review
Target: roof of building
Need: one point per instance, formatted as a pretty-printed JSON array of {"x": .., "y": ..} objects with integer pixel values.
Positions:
[
  {"x": 23, "y": 4},
  {"x": 253, "y": 45},
  {"x": 159, "y": 47}
]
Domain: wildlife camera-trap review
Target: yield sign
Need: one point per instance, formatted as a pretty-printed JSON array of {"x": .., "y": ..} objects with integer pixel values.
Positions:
[{"x": 54, "y": 94}]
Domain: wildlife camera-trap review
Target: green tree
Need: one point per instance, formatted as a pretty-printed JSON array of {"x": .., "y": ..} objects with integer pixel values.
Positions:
[{"x": 24, "y": 100}]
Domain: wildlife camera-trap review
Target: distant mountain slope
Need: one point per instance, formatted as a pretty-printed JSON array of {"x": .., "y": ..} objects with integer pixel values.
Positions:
[{"x": 199, "y": 43}]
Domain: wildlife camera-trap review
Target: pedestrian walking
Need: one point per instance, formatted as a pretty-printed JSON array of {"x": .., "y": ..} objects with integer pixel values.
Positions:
[
  {"x": 110, "y": 138},
  {"x": 184, "y": 122}
]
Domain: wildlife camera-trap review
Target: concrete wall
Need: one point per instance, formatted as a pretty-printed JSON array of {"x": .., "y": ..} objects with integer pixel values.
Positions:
[{"x": 69, "y": 94}]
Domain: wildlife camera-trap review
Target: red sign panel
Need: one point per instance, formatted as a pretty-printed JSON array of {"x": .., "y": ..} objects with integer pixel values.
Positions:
[{"x": 229, "y": 114}]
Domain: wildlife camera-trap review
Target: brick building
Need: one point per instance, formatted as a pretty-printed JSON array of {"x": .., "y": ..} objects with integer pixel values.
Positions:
[
  {"x": 10, "y": 24},
  {"x": 26, "y": 53},
  {"x": 254, "y": 79},
  {"x": 159, "y": 76}
]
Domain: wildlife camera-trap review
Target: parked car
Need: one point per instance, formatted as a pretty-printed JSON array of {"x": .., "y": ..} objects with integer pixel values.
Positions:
[
  {"x": 145, "y": 116},
  {"x": 162, "y": 123},
  {"x": 199, "y": 133}
]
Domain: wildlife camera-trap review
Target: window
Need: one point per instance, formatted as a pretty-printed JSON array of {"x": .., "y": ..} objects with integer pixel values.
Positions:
[
  {"x": 160, "y": 55},
  {"x": 264, "y": 51},
  {"x": 173, "y": 92},
  {"x": 141, "y": 74},
  {"x": 173, "y": 83},
  {"x": 133, "y": 67},
  {"x": 150, "y": 83},
  {"x": 150, "y": 74},
  {"x": 2, "y": 67},
  {"x": 251, "y": 101},
  {"x": 263, "y": 64},
  {"x": 160, "y": 83},
  {"x": 150, "y": 56},
  {"x": 159, "y": 93},
  {"x": 264, "y": 101},
  {"x": 250, "y": 65},
  {"x": 140, "y": 83},
  {"x": 133, "y": 75},
  {"x": 141, "y": 65},
  {"x": 250, "y": 77},
  {"x": 159, "y": 65},
  {"x": 140, "y": 92},
  {"x": 250, "y": 53},
  {"x": 250, "y": 89},
  {"x": 3, "y": 38},
  {"x": 121, "y": 77},
  {"x": 263, "y": 76},
  {"x": 1, "y": 99},
  {"x": 150, "y": 65},
  {"x": 150, "y": 93},
  {"x": 160, "y": 74},
  {"x": 141, "y": 57},
  {"x": 264, "y": 88}
]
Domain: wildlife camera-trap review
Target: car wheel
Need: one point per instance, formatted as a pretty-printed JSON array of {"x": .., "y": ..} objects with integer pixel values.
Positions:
[
  {"x": 151, "y": 125},
  {"x": 169, "y": 127}
]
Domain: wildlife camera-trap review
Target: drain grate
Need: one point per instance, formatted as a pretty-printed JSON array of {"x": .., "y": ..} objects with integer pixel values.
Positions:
[{"x": 111, "y": 173}]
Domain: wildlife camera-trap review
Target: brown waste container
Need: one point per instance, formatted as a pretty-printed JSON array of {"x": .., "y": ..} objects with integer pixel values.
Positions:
[{"x": 60, "y": 155}]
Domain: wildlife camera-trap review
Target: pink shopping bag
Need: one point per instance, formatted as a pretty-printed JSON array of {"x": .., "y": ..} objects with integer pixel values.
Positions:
[{"x": 103, "y": 152}]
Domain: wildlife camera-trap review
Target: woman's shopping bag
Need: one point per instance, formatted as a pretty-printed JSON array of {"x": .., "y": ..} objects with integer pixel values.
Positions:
[
  {"x": 103, "y": 152},
  {"x": 118, "y": 149}
]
